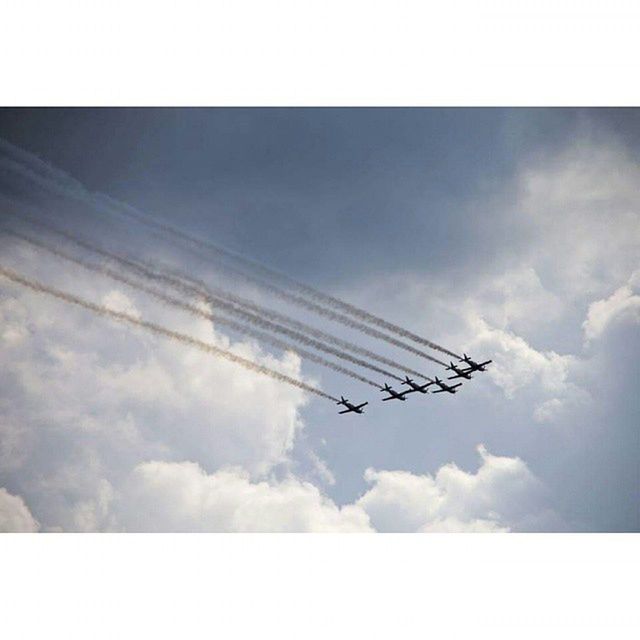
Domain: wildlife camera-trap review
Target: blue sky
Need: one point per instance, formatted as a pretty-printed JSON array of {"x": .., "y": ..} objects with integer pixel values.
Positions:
[{"x": 513, "y": 234}]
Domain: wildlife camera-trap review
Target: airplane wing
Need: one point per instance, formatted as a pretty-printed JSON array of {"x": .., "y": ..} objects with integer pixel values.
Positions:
[
  {"x": 456, "y": 376},
  {"x": 364, "y": 404},
  {"x": 345, "y": 411},
  {"x": 389, "y": 398},
  {"x": 439, "y": 391}
]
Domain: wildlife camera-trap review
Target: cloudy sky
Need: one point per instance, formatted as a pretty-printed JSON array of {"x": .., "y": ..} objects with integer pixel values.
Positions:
[{"x": 511, "y": 234}]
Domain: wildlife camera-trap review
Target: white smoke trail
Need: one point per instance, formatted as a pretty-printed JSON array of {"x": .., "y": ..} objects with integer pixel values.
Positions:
[
  {"x": 229, "y": 307},
  {"x": 159, "y": 330},
  {"x": 51, "y": 178},
  {"x": 208, "y": 315}
]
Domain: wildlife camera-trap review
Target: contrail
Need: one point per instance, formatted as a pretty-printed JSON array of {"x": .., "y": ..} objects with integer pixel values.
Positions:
[
  {"x": 159, "y": 330},
  {"x": 198, "y": 288},
  {"x": 193, "y": 310},
  {"x": 311, "y": 292},
  {"x": 190, "y": 286},
  {"x": 283, "y": 294},
  {"x": 62, "y": 182},
  {"x": 228, "y": 302},
  {"x": 341, "y": 318}
]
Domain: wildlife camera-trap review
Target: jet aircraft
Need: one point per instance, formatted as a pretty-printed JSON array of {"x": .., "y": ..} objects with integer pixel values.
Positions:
[
  {"x": 351, "y": 408},
  {"x": 416, "y": 387},
  {"x": 474, "y": 366},
  {"x": 393, "y": 395},
  {"x": 449, "y": 388},
  {"x": 460, "y": 373}
]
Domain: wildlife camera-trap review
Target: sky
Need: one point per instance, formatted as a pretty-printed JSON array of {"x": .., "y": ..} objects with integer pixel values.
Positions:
[{"x": 510, "y": 234}]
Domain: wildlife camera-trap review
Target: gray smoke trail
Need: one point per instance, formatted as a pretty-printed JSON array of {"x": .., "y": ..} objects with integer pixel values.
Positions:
[
  {"x": 190, "y": 286},
  {"x": 307, "y": 304},
  {"x": 159, "y": 330},
  {"x": 201, "y": 289},
  {"x": 65, "y": 184},
  {"x": 229, "y": 307},
  {"x": 170, "y": 300},
  {"x": 311, "y": 292}
]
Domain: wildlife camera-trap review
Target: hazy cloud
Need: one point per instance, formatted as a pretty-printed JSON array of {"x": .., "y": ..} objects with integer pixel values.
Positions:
[
  {"x": 501, "y": 495},
  {"x": 14, "y": 514}
]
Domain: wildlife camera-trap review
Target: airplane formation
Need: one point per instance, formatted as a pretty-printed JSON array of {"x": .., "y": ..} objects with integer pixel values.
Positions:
[{"x": 460, "y": 370}]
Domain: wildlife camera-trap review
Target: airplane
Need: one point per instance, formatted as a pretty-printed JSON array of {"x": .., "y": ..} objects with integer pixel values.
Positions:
[
  {"x": 416, "y": 387},
  {"x": 446, "y": 387},
  {"x": 460, "y": 373},
  {"x": 474, "y": 366},
  {"x": 351, "y": 408},
  {"x": 393, "y": 395}
]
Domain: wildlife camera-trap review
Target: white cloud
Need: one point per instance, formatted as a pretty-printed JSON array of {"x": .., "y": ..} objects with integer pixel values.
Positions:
[
  {"x": 320, "y": 468},
  {"x": 108, "y": 417},
  {"x": 162, "y": 496},
  {"x": 85, "y": 399},
  {"x": 181, "y": 496},
  {"x": 583, "y": 206},
  {"x": 15, "y": 515},
  {"x": 514, "y": 298},
  {"x": 500, "y": 495},
  {"x": 120, "y": 302},
  {"x": 571, "y": 231},
  {"x": 516, "y": 363},
  {"x": 601, "y": 313}
]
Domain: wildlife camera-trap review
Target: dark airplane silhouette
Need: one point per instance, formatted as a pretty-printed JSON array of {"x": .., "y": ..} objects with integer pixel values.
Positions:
[
  {"x": 460, "y": 373},
  {"x": 416, "y": 387},
  {"x": 474, "y": 366},
  {"x": 393, "y": 395},
  {"x": 351, "y": 408},
  {"x": 446, "y": 387}
]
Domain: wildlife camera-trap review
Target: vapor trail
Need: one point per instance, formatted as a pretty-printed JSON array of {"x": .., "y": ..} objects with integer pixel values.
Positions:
[
  {"x": 159, "y": 330},
  {"x": 281, "y": 293},
  {"x": 190, "y": 286},
  {"x": 68, "y": 186},
  {"x": 199, "y": 288},
  {"x": 341, "y": 318},
  {"x": 243, "y": 328},
  {"x": 229, "y": 302},
  {"x": 311, "y": 292}
]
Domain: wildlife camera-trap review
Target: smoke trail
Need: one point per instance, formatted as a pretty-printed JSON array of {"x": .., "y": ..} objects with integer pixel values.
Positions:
[
  {"x": 220, "y": 302},
  {"x": 170, "y": 300},
  {"x": 190, "y": 286},
  {"x": 199, "y": 288},
  {"x": 295, "y": 299},
  {"x": 159, "y": 330},
  {"x": 311, "y": 292},
  {"x": 62, "y": 182},
  {"x": 341, "y": 318}
]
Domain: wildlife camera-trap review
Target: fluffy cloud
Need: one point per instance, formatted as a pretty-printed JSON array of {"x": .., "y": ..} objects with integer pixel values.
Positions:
[
  {"x": 501, "y": 495},
  {"x": 14, "y": 514},
  {"x": 517, "y": 364},
  {"x": 163, "y": 496},
  {"x": 180, "y": 496},
  {"x": 85, "y": 399},
  {"x": 583, "y": 208},
  {"x": 120, "y": 431},
  {"x": 574, "y": 217},
  {"x": 601, "y": 313}
]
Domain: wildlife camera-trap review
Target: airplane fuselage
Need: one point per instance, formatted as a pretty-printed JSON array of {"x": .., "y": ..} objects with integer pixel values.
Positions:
[{"x": 394, "y": 396}]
